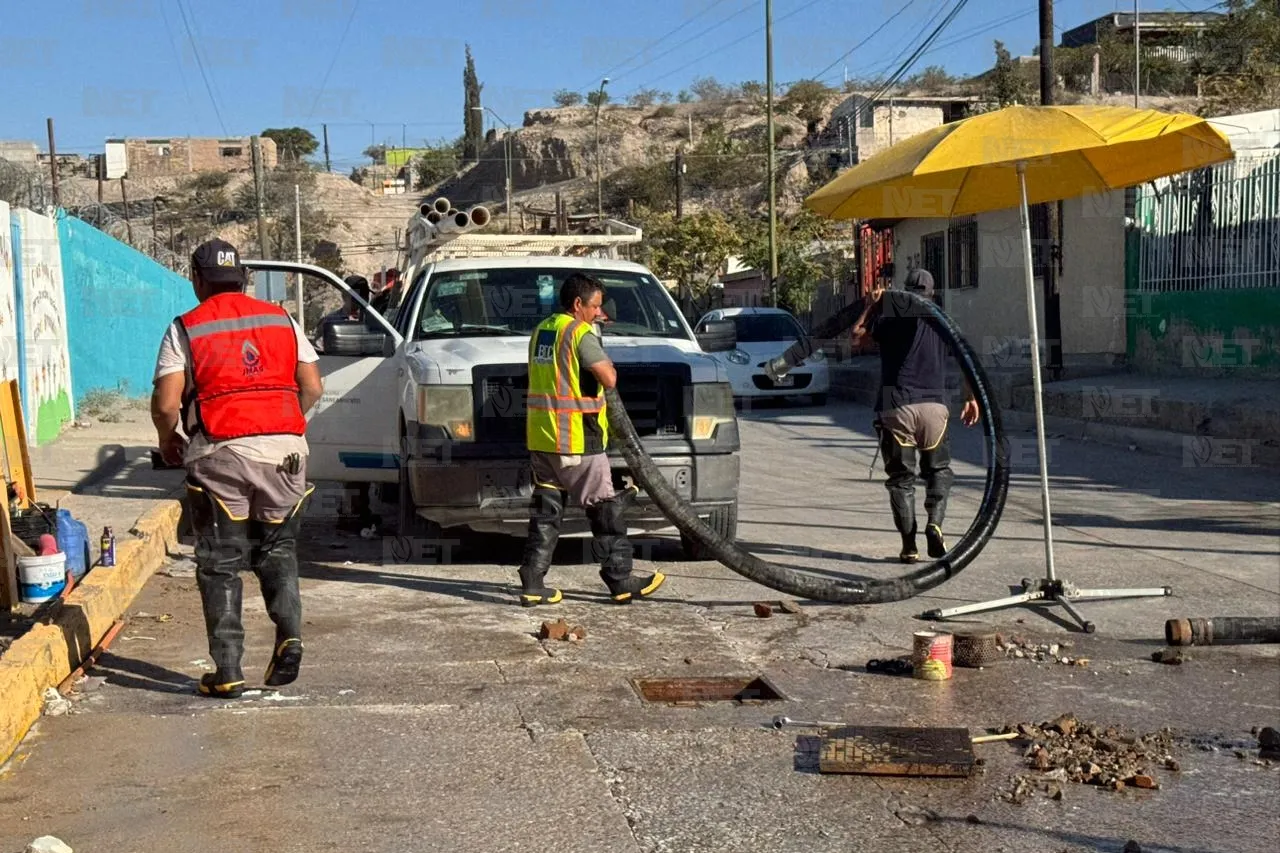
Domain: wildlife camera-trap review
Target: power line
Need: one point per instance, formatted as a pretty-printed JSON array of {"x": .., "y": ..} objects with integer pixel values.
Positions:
[
  {"x": 200, "y": 64},
  {"x": 735, "y": 42},
  {"x": 874, "y": 33},
  {"x": 177, "y": 57},
  {"x": 661, "y": 39},
  {"x": 325, "y": 81},
  {"x": 692, "y": 38}
]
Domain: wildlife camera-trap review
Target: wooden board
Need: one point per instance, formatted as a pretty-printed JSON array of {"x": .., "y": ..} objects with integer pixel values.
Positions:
[
  {"x": 890, "y": 751},
  {"x": 17, "y": 458}
]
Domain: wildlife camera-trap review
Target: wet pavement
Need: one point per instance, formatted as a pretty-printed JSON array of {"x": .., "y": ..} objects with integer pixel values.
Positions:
[{"x": 430, "y": 716}]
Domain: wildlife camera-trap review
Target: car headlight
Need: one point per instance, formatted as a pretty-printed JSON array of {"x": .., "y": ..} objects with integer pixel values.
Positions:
[
  {"x": 712, "y": 406},
  {"x": 739, "y": 357},
  {"x": 449, "y": 407},
  {"x": 818, "y": 355}
]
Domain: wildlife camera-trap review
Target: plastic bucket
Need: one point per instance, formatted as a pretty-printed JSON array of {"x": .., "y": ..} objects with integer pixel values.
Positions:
[
  {"x": 932, "y": 656},
  {"x": 41, "y": 578}
]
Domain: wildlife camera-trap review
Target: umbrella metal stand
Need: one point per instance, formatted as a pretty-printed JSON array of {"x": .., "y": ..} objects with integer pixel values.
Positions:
[{"x": 1050, "y": 589}]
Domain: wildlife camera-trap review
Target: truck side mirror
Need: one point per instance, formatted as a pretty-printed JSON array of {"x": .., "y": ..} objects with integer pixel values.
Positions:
[{"x": 718, "y": 336}]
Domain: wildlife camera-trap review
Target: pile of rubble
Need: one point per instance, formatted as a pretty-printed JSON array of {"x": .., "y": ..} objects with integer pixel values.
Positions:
[
  {"x": 1069, "y": 750},
  {"x": 1017, "y": 647}
]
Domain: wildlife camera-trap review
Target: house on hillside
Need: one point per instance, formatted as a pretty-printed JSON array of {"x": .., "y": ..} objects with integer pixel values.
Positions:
[
  {"x": 161, "y": 157},
  {"x": 1174, "y": 35},
  {"x": 862, "y": 125}
]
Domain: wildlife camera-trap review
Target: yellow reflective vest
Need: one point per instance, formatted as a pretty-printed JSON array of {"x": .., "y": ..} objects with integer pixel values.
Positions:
[{"x": 560, "y": 418}]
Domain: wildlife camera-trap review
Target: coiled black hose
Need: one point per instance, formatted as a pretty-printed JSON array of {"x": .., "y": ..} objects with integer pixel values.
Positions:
[{"x": 841, "y": 591}]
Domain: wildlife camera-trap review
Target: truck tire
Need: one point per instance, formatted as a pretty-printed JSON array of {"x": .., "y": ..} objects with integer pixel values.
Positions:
[
  {"x": 724, "y": 521},
  {"x": 417, "y": 538}
]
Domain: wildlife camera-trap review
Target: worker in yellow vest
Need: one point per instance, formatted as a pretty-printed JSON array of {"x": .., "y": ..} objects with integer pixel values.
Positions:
[{"x": 567, "y": 432}]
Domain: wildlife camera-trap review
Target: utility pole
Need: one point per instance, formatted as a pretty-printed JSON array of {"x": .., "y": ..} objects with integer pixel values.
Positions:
[
  {"x": 1053, "y": 210},
  {"x": 256, "y": 148},
  {"x": 155, "y": 228},
  {"x": 599, "y": 161},
  {"x": 1137, "y": 57},
  {"x": 53, "y": 167},
  {"x": 773, "y": 201},
  {"x": 690, "y": 117},
  {"x": 679, "y": 184},
  {"x": 102, "y": 174},
  {"x": 128, "y": 223},
  {"x": 327, "y": 166},
  {"x": 297, "y": 235}
]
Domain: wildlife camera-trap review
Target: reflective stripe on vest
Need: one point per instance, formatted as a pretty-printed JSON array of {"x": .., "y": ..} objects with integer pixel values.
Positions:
[
  {"x": 555, "y": 405},
  {"x": 244, "y": 358}
]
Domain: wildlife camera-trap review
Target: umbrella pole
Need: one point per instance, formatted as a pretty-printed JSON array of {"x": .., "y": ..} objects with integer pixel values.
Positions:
[{"x": 1049, "y": 589}]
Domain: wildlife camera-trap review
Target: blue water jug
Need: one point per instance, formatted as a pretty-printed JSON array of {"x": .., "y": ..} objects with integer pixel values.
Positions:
[{"x": 73, "y": 539}]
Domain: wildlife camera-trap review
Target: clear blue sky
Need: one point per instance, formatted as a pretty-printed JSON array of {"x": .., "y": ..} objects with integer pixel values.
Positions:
[{"x": 127, "y": 67}]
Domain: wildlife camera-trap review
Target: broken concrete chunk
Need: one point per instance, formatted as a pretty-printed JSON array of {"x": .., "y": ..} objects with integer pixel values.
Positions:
[
  {"x": 1144, "y": 781},
  {"x": 578, "y": 633},
  {"x": 763, "y": 610},
  {"x": 55, "y": 704},
  {"x": 48, "y": 844},
  {"x": 1173, "y": 657},
  {"x": 1065, "y": 724},
  {"x": 789, "y": 606},
  {"x": 558, "y": 630}
]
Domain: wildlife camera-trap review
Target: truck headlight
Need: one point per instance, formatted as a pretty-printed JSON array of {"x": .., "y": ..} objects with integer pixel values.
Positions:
[
  {"x": 818, "y": 355},
  {"x": 712, "y": 406},
  {"x": 739, "y": 357},
  {"x": 449, "y": 407}
]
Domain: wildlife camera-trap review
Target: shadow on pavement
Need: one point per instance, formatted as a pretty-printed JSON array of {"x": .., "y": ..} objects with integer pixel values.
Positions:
[{"x": 140, "y": 675}]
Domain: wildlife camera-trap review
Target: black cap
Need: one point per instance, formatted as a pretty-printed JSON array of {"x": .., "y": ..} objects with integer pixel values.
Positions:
[{"x": 218, "y": 262}]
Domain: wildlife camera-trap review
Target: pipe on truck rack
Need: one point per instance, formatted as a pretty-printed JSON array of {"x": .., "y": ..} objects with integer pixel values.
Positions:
[{"x": 826, "y": 588}]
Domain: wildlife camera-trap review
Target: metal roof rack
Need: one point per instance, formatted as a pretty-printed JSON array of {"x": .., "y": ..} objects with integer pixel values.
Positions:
[{"x": 425, "y": 244}]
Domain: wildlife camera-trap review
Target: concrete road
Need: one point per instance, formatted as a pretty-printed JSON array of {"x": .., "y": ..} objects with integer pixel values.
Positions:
[{"x": 430, "y": 717}]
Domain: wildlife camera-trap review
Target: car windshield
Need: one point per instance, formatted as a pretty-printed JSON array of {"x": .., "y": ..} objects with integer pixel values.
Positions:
[
  {"x": 759, "y": 328},
  {"x": 514, "y": 300}
]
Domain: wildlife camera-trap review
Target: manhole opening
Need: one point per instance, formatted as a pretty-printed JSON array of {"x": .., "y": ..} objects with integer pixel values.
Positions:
[{"x": 748, "y": 689}]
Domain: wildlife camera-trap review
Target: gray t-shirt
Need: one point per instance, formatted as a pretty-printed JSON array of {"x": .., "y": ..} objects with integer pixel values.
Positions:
[
  {"x": 271, "y": 449},
  {"x": 590, "y": 350}
]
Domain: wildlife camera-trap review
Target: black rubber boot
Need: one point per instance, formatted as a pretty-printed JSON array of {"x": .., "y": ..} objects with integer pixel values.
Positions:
[
  {"x": 611, "y": 547},
  {"x": 935, "y": 469},
  {"x": 221, "y": 552},
  {"x": 899, "y": 465},
  {"x": 275, "y": 562},
  {"x": 540, "y": 548}
]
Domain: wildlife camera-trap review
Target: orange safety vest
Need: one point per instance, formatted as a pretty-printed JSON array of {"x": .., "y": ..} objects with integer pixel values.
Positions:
[{"x": 244, "y": 357}]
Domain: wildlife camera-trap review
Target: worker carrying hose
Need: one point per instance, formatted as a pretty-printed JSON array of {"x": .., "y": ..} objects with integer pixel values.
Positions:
[
  {"x": 911, "y": 410},
  {"x": 567, "y": 431}
]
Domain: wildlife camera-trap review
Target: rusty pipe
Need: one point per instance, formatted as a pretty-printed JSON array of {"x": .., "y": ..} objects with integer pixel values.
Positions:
[{"x": 1220, "y": 630}]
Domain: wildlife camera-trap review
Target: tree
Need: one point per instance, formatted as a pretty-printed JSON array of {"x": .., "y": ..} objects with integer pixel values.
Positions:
[
  {"x": 566, "y": 98},
  {"x": 1240, "y": 59},
  {"x": 278, "y": 208},
  {"x": 647, "y": 97},
  {"x": 437, "y": 163},
  {"x": 293, "y": 143},
  {"x": 692, "y": 250},
  {"x": 807, "y": 100},
  {"x": 711, "y": 89},
  {"x": 684, "y": 97},
  {"x": 597, "y": 97},
  {"x": 472, "y": 120},
  {"x": 933, "y": 79},
  {"x": 800, "y": 268},
  {"x": 1008, "y": 85},
  {"x": 377, "y": 153}
]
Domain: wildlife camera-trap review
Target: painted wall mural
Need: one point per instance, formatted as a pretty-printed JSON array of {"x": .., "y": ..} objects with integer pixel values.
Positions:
[
  {"x": 47, "y": 397},
  {"x": 8, "y": 310}
]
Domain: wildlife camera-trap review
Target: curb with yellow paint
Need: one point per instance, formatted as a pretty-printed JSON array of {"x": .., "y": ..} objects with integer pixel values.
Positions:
[{"x": 47, "y": 654}]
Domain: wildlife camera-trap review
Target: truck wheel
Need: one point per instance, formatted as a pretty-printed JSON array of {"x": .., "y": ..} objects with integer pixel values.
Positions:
[
  {"x": 418, "y": 540},
  {"x": 724, "y": 521}
]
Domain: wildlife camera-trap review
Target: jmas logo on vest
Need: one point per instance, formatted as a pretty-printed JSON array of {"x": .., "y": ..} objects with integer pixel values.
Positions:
[{"x": 251, "y": 358}]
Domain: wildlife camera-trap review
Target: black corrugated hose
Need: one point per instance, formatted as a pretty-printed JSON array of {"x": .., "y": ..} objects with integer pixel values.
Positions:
[{"x": 814, "y": 587}]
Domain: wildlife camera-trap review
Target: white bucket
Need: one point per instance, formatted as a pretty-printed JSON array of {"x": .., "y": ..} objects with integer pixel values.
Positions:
[{"x": 41, "y": 578}]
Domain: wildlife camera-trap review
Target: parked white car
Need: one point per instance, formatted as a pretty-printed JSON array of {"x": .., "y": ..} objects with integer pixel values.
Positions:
[{"x": 764, "y": 334}]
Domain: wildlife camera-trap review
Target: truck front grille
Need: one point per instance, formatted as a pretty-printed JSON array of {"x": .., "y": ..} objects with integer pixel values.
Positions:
[{"x": 654, "y": 395}]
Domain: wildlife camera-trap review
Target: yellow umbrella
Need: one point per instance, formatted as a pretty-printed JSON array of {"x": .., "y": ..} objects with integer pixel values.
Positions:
[
  {"x": 1015, "y": 157},
  {"x": 971, "y": 166}
]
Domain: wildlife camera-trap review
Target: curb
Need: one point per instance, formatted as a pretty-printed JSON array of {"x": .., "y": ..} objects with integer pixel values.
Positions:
[{"x": 47, "y": 654}]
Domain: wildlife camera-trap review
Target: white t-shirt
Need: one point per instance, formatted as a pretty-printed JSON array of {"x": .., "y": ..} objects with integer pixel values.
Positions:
[{"x": 270, "y": 449}]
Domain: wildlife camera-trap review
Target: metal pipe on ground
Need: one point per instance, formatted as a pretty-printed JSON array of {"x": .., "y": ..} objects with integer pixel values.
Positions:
[{"x": 1221, "y": 630}]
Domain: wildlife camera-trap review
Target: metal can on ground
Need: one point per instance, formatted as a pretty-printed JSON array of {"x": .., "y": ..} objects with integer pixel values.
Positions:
[{"x": 931, "y": 658}]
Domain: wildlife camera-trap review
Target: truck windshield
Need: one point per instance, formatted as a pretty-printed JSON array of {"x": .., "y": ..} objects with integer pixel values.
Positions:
[{"x": 514, "y": 300}]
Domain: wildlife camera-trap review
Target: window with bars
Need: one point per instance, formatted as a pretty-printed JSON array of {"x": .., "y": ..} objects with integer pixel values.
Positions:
[
  {"x": 962, "y": 244},
  {"x": 933, "y": 257}
]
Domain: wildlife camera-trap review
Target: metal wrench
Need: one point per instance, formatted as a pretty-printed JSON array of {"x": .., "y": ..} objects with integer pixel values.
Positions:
[{"x": 780, "y": 722}]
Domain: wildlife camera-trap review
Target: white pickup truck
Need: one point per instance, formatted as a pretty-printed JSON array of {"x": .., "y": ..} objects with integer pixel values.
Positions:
[{"x": 432, "y": 398}]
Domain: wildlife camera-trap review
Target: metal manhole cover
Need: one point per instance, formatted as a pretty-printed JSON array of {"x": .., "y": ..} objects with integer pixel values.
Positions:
[{"x": 742, "y": 689}]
